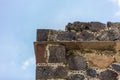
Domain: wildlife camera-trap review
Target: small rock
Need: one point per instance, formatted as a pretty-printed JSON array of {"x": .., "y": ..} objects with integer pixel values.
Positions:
[
  {"x": 76, "y": 77},
  {"x": 77, "y": 62},
  {"x": 91, "y": 72},
  {"x": 108, "y": 75},
  {"x": 116, "y": 66}
]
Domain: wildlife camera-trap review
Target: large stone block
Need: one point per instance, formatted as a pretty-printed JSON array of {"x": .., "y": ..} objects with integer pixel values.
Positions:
[
  {"x": 41, "y": 53},
  {"x": 42, "y": 34},
  {"x": 101, "y": 61},
  {"x": 56, "y": 54},
  {"x": 49, "y": 72},
  {"x": 77, "y": 62},
  {"x": 66, "y": 36}
]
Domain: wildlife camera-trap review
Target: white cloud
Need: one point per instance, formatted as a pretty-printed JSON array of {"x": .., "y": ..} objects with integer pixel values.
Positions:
[{"x": 28, "y": 63}]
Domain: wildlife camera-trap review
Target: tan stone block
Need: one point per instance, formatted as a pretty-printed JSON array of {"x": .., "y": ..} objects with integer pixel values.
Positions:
[
  {"x": 101, "y": 61},
  {"x": 117, "y": 57}
]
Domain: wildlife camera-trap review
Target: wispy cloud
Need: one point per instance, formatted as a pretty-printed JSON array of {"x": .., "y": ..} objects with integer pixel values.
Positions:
[{"x": 29, "y": 62}]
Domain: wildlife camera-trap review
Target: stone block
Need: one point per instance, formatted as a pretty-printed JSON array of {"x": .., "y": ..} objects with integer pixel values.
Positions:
[
  {"x": 41, "y": 53},
  {"x": 85, "y": 36},
  {"x": 50, "y": 72},
  {"x": 76, "y": 77},
  {"x": 108, "y": 75},
  {"x": 116, "y": 66},
  {"x": 56, "y": 54},
  {"x": 44, "y": 72},
  {"x": 42, "y": 34},
  {"x": 101, "y": 61},
  {"x": 66, "y": 36},
  {"x": 77, "y": 62}
]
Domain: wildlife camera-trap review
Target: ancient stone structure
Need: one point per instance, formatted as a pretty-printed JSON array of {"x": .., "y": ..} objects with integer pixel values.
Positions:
[{"x": 84, "y": 51}]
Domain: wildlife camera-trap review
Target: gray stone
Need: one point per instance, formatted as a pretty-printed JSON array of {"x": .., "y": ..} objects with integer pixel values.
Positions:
[
  {"x": 97, "y": 26},
  {"x": 60, "y": 72},
  {"x": 85, "y": 36},
  {"x": 76, "y": 77},
  {"x": 110, "y": 35},
  {"x": 44, "y": 72},
  {"x": 42, "y": 34},
  {"x": 108, "y": 75},
  {"x": 116, "y": 66},
  {"x": 77, "y": 62},
  {"x": 56, "y": 54},
  {"x": 91, "y": 72},
  {"x": 66, "y": 36},
  {"x": 78, "y": 26}
]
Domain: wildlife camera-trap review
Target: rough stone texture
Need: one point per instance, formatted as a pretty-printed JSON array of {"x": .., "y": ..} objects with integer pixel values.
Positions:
[
  {"x": 66, "y": 36},
  {"x": 101, "y": 61},
  {"x": 78, "y": 26},
  {"x": 42, "y": 34},
  {"x": 85, "y": 36},
  {"x": 91, "y": 72},
  {"x": 108, "y": 75},
  {"x": 41, "y": 54},
  {"x": 117, "y": 57},
  {"x": 48, "y": 72},
  {"x": 60, "y": 72},
  {"x": 76, "y": 77},
  {"x": 56, "y": 54},
  {"x": 44, "y": 72},
  {"x": 116, "y": 66},
  {"x": 77, "y": 62},
  {"x": 111, "y": 35},
  {"x": 81, "y": 26}
]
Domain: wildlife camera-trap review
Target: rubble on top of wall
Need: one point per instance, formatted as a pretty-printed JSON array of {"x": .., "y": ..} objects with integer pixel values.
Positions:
[{"x": 82, "y": 31}]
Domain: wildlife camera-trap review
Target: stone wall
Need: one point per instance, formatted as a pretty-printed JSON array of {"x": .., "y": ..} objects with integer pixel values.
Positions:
[{"x": 84, "y": 51}]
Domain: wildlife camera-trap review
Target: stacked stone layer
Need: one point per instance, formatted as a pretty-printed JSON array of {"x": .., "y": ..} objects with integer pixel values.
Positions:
[{"x": 60, "y": 55}]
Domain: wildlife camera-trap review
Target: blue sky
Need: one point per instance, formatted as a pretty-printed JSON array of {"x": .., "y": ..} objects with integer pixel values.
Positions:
[{"x": 19, "y": 20}]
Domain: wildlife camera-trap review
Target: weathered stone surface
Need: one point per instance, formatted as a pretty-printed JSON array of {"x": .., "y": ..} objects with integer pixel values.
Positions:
[
  {"x": 111, "y": 35},
  {"x": 116, "y": 66},
  {"x": 56, "y": 54},
  {"x": 76, "y": 77},
  {"x": 60, "y": 72},
  {"x": 42, "y": 34},
  {"x": 85, "y": 36},
  {"x": 101, "y": 61},
  {"x": 48, "y": 72},
  {"x": 97, "y": 26},
  {"x": 77, "y": 62},
  {"x": 66, "y": 36},
  {"x": 41, "y": 54},
  {"x": 91, "y": 72},
  {"x": 44, "y": 72},
  {"x": 117, "y": 57},
  {"x": 108, "y": 75},
  {"x": 78, "y": 26},
  {"x": 81, "y": 26}
]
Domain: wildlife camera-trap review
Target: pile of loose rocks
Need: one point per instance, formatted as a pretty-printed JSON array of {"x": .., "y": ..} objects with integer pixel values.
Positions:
[{"x": 83, "y": 31}]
